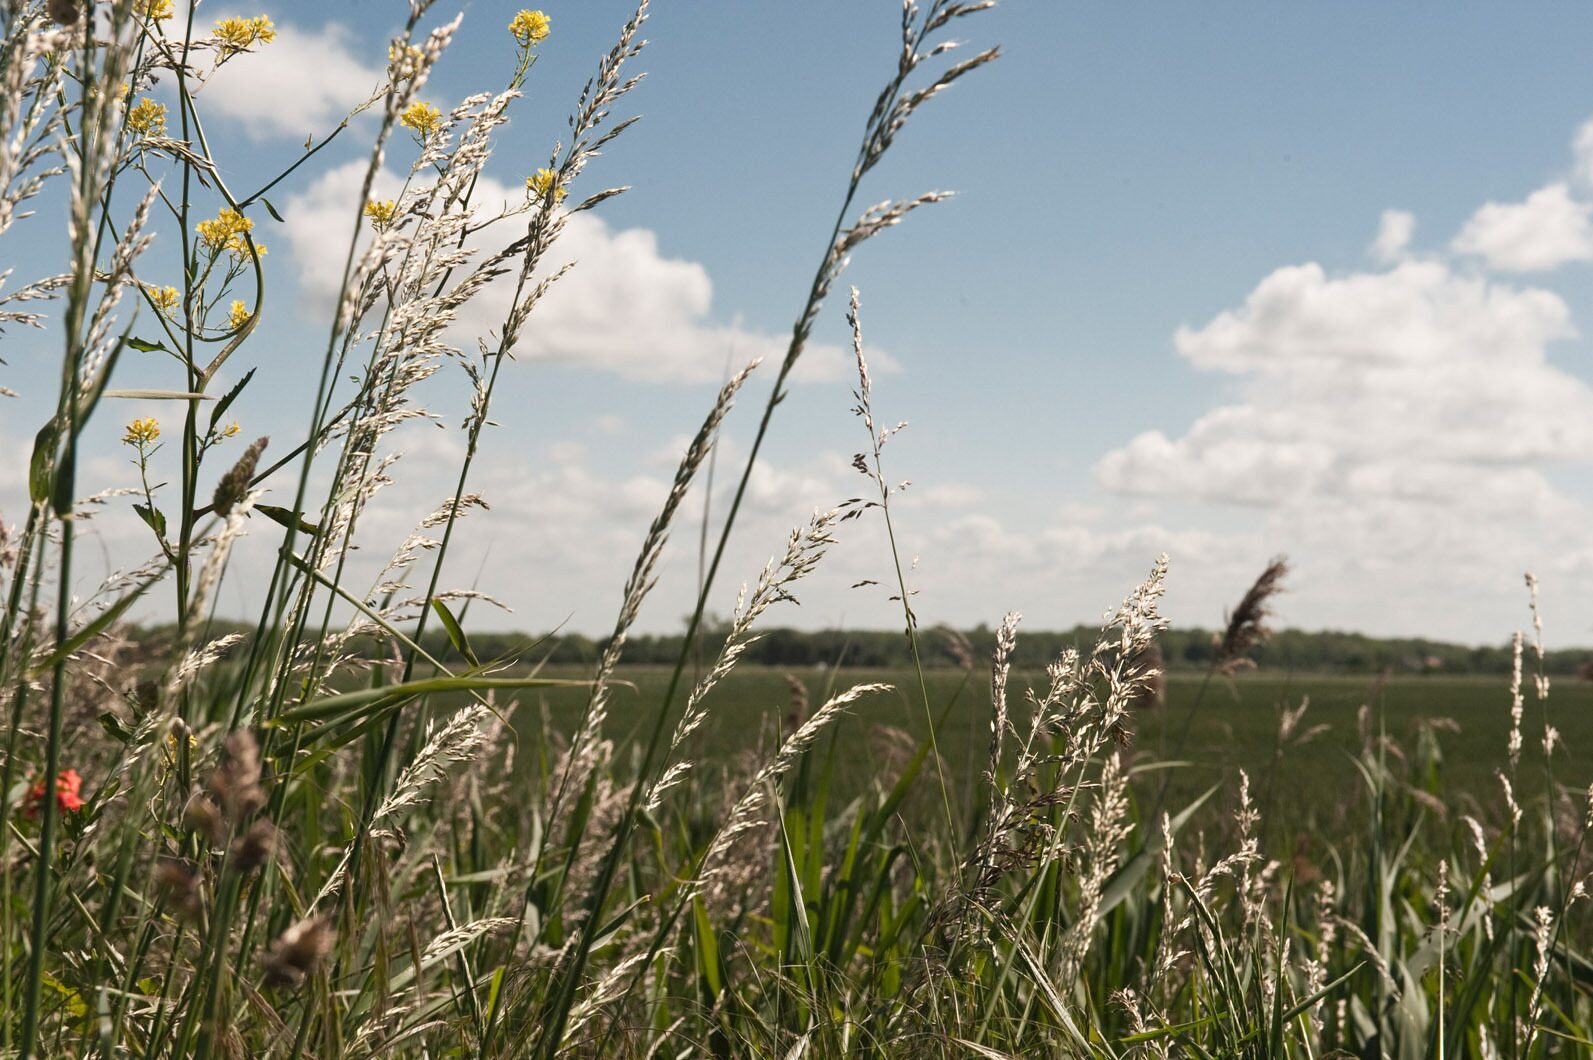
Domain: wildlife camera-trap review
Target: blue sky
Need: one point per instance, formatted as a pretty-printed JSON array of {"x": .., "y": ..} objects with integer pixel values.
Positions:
[{"x": 1154, "y": 317}]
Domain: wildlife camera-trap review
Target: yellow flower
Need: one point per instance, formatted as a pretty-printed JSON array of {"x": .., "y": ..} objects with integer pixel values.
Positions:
[
  {"x": 424, "y": 118},
  {"x": 381, "y": 213},
  {"x": 226, "y": 231},
  {"x": 541, "y": 181},
  {"x": 231, "y": 430},
  {"x": 239, "y": 34},
  {"x": 165, "y": 298},
  {"x": 238, "y": 316},
  {"x": 155, "y": 10},
  {"x": 529, "y": 27},
  {"x": 147, "y": 118},
  {"x": 141, "y": 432}
]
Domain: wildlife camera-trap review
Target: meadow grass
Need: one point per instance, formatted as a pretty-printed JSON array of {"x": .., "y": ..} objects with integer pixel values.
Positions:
[{"x": 290, "y": 844}]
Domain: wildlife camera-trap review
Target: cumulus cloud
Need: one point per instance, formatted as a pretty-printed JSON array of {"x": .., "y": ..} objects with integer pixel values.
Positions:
[
  {"x": 1546, "y": 231},
  {"x": 626, "y": 307},
  {"x": 1394, "y": 230},
  {"x": 1390, "y": 430},
  {"x": 300, "y": 85},
  {"x": 1371, "y": 384}
]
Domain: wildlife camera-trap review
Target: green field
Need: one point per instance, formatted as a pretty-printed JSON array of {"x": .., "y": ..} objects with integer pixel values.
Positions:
[{"x": 1316, "y": 784}]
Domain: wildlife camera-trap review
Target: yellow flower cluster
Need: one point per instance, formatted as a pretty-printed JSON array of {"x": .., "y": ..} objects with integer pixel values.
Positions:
[
  {"x": 165, "y": 298},
  {"x": 155, "y": 10},
  {"x": 529, "y": 28},
  {"x": 231, "y": 430},
  {"x": 542, "y": 181},
  {"x": 147, "y": 118},
  {"x": 424, "y": 118},
  {"x": 141, "y": 432},
  {"x": 226, "y": 231},
  {"x": 381, "y": 213},
  {"x": 238, "y": 315},
  {"x": 239, "y": 34}
]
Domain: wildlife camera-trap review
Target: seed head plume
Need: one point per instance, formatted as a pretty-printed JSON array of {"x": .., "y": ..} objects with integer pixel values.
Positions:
[{"x": 1247, "y": 626}]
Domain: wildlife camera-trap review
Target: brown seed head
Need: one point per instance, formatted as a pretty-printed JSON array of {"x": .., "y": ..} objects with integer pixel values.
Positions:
[
  {"x": 253, "y": 849},
  {"x": 66, "y": 12},
  {"x": 294, "y": 955},
  {"x": 178, "y": 884},
  {"x": 1247, "y": 624},
  {"x": 203, "y": 817},
  {"x": 236, "y": 782},
  {"x": 797, "y": 713},
  {"x": 234, "y": 485},
  {"x": 957, "y": 647}
]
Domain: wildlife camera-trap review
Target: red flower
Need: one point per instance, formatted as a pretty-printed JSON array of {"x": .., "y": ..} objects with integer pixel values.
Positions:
[{"x": 67, "y": 786}]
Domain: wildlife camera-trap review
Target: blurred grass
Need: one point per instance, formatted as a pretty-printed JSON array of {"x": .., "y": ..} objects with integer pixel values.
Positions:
[{"x": 1317, "y": 788}]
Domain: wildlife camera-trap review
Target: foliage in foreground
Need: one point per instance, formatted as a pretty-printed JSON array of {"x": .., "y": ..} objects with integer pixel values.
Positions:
[{"x": 273, "y": 847}]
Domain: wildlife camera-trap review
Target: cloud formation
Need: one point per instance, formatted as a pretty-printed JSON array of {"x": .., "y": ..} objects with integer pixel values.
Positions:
[
  {"x": 1394, "y": 384},
  {"x": 626, "y": 307},
  {"x": 300, "y": 85},
  {"x": 1547, "y": 230}
]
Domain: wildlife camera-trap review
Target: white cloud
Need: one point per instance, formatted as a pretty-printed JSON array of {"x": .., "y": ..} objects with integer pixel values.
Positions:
[
  {"x": 1395, "y": 429},
  {"x": 301, "y": 84},
  {"x": 1394, "y": 230},
  {"x": 626, "y": 307},
  {"x": 1546, "y": 231},
  {"x": 1582, "y": 152},
  {"x": 1371, "y": 385}
]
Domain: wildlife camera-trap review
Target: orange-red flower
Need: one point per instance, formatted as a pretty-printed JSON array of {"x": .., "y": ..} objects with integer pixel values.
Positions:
[{"x": 67, "y": 786}]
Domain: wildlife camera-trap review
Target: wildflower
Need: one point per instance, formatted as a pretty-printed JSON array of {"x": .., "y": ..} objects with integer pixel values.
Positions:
[
  {"x": 147, "y": 118},
  {"x": 67, "y": 785},
  {"x": 226, "y": 231},
  {"x": 424, "y": 118},
  {"x": 231, "y": 431},
  {"x": 544, "y": 180},
  {"x": 164, "y": 298},
  {"x": 239, "y": 34},
  {"x": 141, "y": 432},
  {"x": 381, "y": 213},
  {"x": 155, "y": 10},
  {"x": 238, "y": 315},
  {"x": 529, "y": 28}
]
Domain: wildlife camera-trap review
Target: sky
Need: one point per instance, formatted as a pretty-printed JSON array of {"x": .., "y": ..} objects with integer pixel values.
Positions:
[{"x": 1227, "y": 281}]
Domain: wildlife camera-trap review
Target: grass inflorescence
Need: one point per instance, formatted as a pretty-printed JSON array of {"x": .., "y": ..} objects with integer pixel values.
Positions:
[{"x": 325, "y": 836}]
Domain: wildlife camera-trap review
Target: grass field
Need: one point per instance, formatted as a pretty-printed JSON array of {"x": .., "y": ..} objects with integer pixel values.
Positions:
[
  {"x": 1317, "y": 785},
  {"x": 316, "y": 840}
]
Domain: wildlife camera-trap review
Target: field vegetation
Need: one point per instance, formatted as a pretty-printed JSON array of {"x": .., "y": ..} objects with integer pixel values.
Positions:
[{"x": 333, "y": 834}]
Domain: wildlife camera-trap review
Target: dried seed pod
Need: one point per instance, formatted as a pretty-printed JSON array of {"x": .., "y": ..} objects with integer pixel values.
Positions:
[
  {"x": 203, "y": 817},
  {"x": 253, "y": 849},
  {"x": 234, "y": 485},
  {"x": 236, "y": 782},
  {"x": 66, "y": 12},
  {"x": 178, "y": 884},
  {"x": 294, "y": 955}
]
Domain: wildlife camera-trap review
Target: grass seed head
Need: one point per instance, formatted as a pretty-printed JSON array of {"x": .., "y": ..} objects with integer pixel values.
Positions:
[{"x": 1247, "y": 627}]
